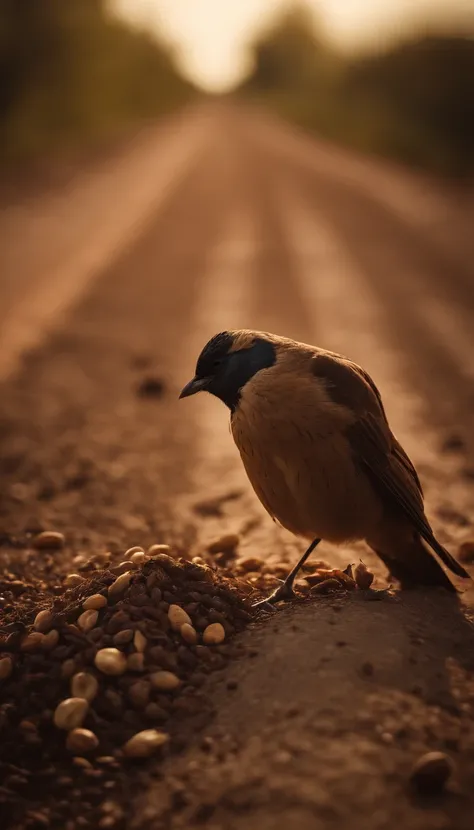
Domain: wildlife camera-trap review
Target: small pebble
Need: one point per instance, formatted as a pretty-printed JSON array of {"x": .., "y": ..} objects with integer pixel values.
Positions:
[
  {"x": 73, "y": 580},
  {"x": 94, "y": 603},
  {"x": 70, "y": 713},
  {"x": 120, "y": 585},
  {"x": 189, "y": 634},
  {"x": 111, "y": 661},
  {"x": 84, "y": 685},
  {"x": 165, "y": 681},
  {"x": 178, "y": 617},
  {"x": 139, "y": 641},
  {"x": 213, "y": 634},
  {"x": 224, "y": 544},
  {"x": 49, "y": 540},
  {"x": 87, "y": 620},
  {"x": 81, "y": 740},
  {"x": 6, "y": 667},
  {"x": 145, "y": 743},
  {"x": 431, "y": 772},
  {"x": 43, "y": 621}
]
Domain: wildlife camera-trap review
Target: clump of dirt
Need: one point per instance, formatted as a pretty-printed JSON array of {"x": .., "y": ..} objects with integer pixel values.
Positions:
[{"x": 106, "y": 673}]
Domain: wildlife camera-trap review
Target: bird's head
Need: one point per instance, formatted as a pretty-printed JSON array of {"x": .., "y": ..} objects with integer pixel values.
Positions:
[{"x": 227, "y": 362}]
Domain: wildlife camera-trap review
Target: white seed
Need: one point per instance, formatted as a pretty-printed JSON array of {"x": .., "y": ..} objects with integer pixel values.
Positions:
[
  {"x": 110, "y": 661},
  {"x": 43, "y": 621},
  {"x": 32, "y": 641},
  {"x": 178, "y": 617},
  {"x": 73, "y": 580},
  {"x": 87, "y": 620},
  {"x": 49, "y": 539},
  {"x": 94, "y": 602},
  {"x": 139, "y": 558},
  {"x": 6, "y": 667},
  {"x": 81, "y": 740},
  {"x": 70, "y": 713},
  {"x": 50, "y": 640},
  {"x": 84, "y": 685},
  {"x": 198, "y": 560},
  {"x": 120, "y": 585},
  {"x": 165, "y": 681},
  {"x": 213, "y": 634},
  {"x": 139, "y": 641},
  {"x": 155, "y": 550},
  {"x": 131, "y": 551},
  {"x": 145, "y": 743},
  {"x": 189, "y": 634}
]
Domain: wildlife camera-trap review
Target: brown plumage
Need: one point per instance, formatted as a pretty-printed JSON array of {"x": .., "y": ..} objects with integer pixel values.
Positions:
[{"x": 316, "y": 445}]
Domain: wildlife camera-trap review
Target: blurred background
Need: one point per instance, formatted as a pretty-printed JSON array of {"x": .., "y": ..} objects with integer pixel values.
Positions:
[{"x": 394, "y": 78}]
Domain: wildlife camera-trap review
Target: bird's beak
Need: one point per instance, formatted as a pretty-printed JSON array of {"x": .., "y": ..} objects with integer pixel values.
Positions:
[{"x": 194, "y": 385}]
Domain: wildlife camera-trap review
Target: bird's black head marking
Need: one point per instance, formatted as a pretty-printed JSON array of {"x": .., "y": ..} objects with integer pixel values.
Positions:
[{"x": 223, "y": 370}]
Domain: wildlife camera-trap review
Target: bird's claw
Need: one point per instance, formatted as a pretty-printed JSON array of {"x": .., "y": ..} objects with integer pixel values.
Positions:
[{"x": 283, "y": 593}]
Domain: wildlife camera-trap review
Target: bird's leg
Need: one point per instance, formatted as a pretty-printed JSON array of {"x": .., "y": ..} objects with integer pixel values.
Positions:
[{"x": 285, "y": 590}]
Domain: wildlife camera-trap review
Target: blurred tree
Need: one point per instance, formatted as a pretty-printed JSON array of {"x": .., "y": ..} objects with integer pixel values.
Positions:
[{"x": 69, "y": 70}]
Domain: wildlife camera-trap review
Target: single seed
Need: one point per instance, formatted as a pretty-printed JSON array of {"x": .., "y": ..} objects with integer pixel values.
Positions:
[
  {"x": 123, "y": 637},
  {"x": 32, "y": 641},
  {"x": 178, "y": 617},
  {"x": 73, "y": 580},
  {"x": 81, "y": 740},
  {"x": 6, "y": 667},
  {"x": 120, "y": 585},
  {"x": 50, "y": 640},
  {"x": 94, "y": 602},
  {"x": 70, "y": 713},
  {"x": 145, "y": 743},
  {"x": 84, "y": 685},
  {"x": 189, "y": 634},
  {"x": 87, "y": 620},
  {"x": 49, "y": 540},
  {"x": 68, "y": 668},
  {"x": 121, "y": 568},
  {"x": 136, "y": 662},
  {"x": 139, "y": 558},
  {"x": 110, "y": 661},
  {"x": 132, "y": 551},
  {"x": 43, "y": 621},
  {"x": 155, "y": 550},
  {"x": 213, "y": 634},
  {"x": 165, "y": 681},
  {"x": 139, "y": 641}
]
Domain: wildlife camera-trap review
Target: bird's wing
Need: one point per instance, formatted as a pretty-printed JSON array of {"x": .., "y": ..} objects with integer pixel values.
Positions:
[{"x": 372, "y": 443}]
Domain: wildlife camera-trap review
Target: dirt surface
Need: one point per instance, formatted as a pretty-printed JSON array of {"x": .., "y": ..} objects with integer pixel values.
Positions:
[{"x": 325, "y": 706}]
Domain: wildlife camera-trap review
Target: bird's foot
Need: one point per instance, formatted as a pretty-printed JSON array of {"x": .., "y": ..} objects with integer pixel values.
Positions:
[{"x": 284, "y": 593}]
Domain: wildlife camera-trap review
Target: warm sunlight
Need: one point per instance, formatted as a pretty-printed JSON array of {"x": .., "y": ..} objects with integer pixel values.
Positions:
[{"x": 211, "y": 35}]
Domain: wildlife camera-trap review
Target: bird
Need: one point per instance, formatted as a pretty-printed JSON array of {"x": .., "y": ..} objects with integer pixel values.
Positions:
[{"x": 315, "y": 442}]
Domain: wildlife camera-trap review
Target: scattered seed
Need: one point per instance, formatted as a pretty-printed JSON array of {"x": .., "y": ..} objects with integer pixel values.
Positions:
[
  {"x": 110, "y": 661},
  {"x": 94, "y": 603},
  {"x": 81, "y": 740},
  {"x": 50, "y": 640},
  {"x": 225, "y": 544},
  {"x": 213, "y": 634},
  {"x": 363, "y": 576},
  {"x": 84, "y": 685},
  {"x": 155, "y": 550},
  {"x": 73, "y": 580},
  {"x": 43, "y": 621},
  {"x": 120, "y": 585},
  {"x": 139, "y": 558},
  {"x": 178, "y": 617},
  {"x": 431, "y": 772},
  {"x": 165, "y": 681},
  {"x": 132, "y": 551},
  {"x": 145, "y": 743},
  {"x": 139, "y": 641},
  {"x": 70, "y": 713},
  {"x": 6, "y": 667},
  {"x": 88, "y": 620},
  {"x": 49, "y": 540},
  {"x": 189, "y": 634}
]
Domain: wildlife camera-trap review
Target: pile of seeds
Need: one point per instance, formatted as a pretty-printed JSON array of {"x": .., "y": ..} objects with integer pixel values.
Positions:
[{"x": 109, "y": 672}]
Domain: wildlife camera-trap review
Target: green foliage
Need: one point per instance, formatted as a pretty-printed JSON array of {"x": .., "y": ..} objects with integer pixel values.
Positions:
[
  {"x": 413, "y": 101},
  {"x": 70, "y": 72}
]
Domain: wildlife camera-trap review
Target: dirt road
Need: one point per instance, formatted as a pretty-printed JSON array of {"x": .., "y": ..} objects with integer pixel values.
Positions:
[{"x": 224, "y": 219}]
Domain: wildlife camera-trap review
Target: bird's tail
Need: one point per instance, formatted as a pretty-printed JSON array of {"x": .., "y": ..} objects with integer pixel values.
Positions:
[{"x": 415, "y": 566}]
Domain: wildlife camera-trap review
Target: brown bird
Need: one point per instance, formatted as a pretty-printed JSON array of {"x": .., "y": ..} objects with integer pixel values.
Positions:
[{"x": 316, "y": 445}]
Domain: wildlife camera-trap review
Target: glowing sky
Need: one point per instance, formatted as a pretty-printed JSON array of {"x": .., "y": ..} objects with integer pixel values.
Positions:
[{"x": 211, "y": 36}]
